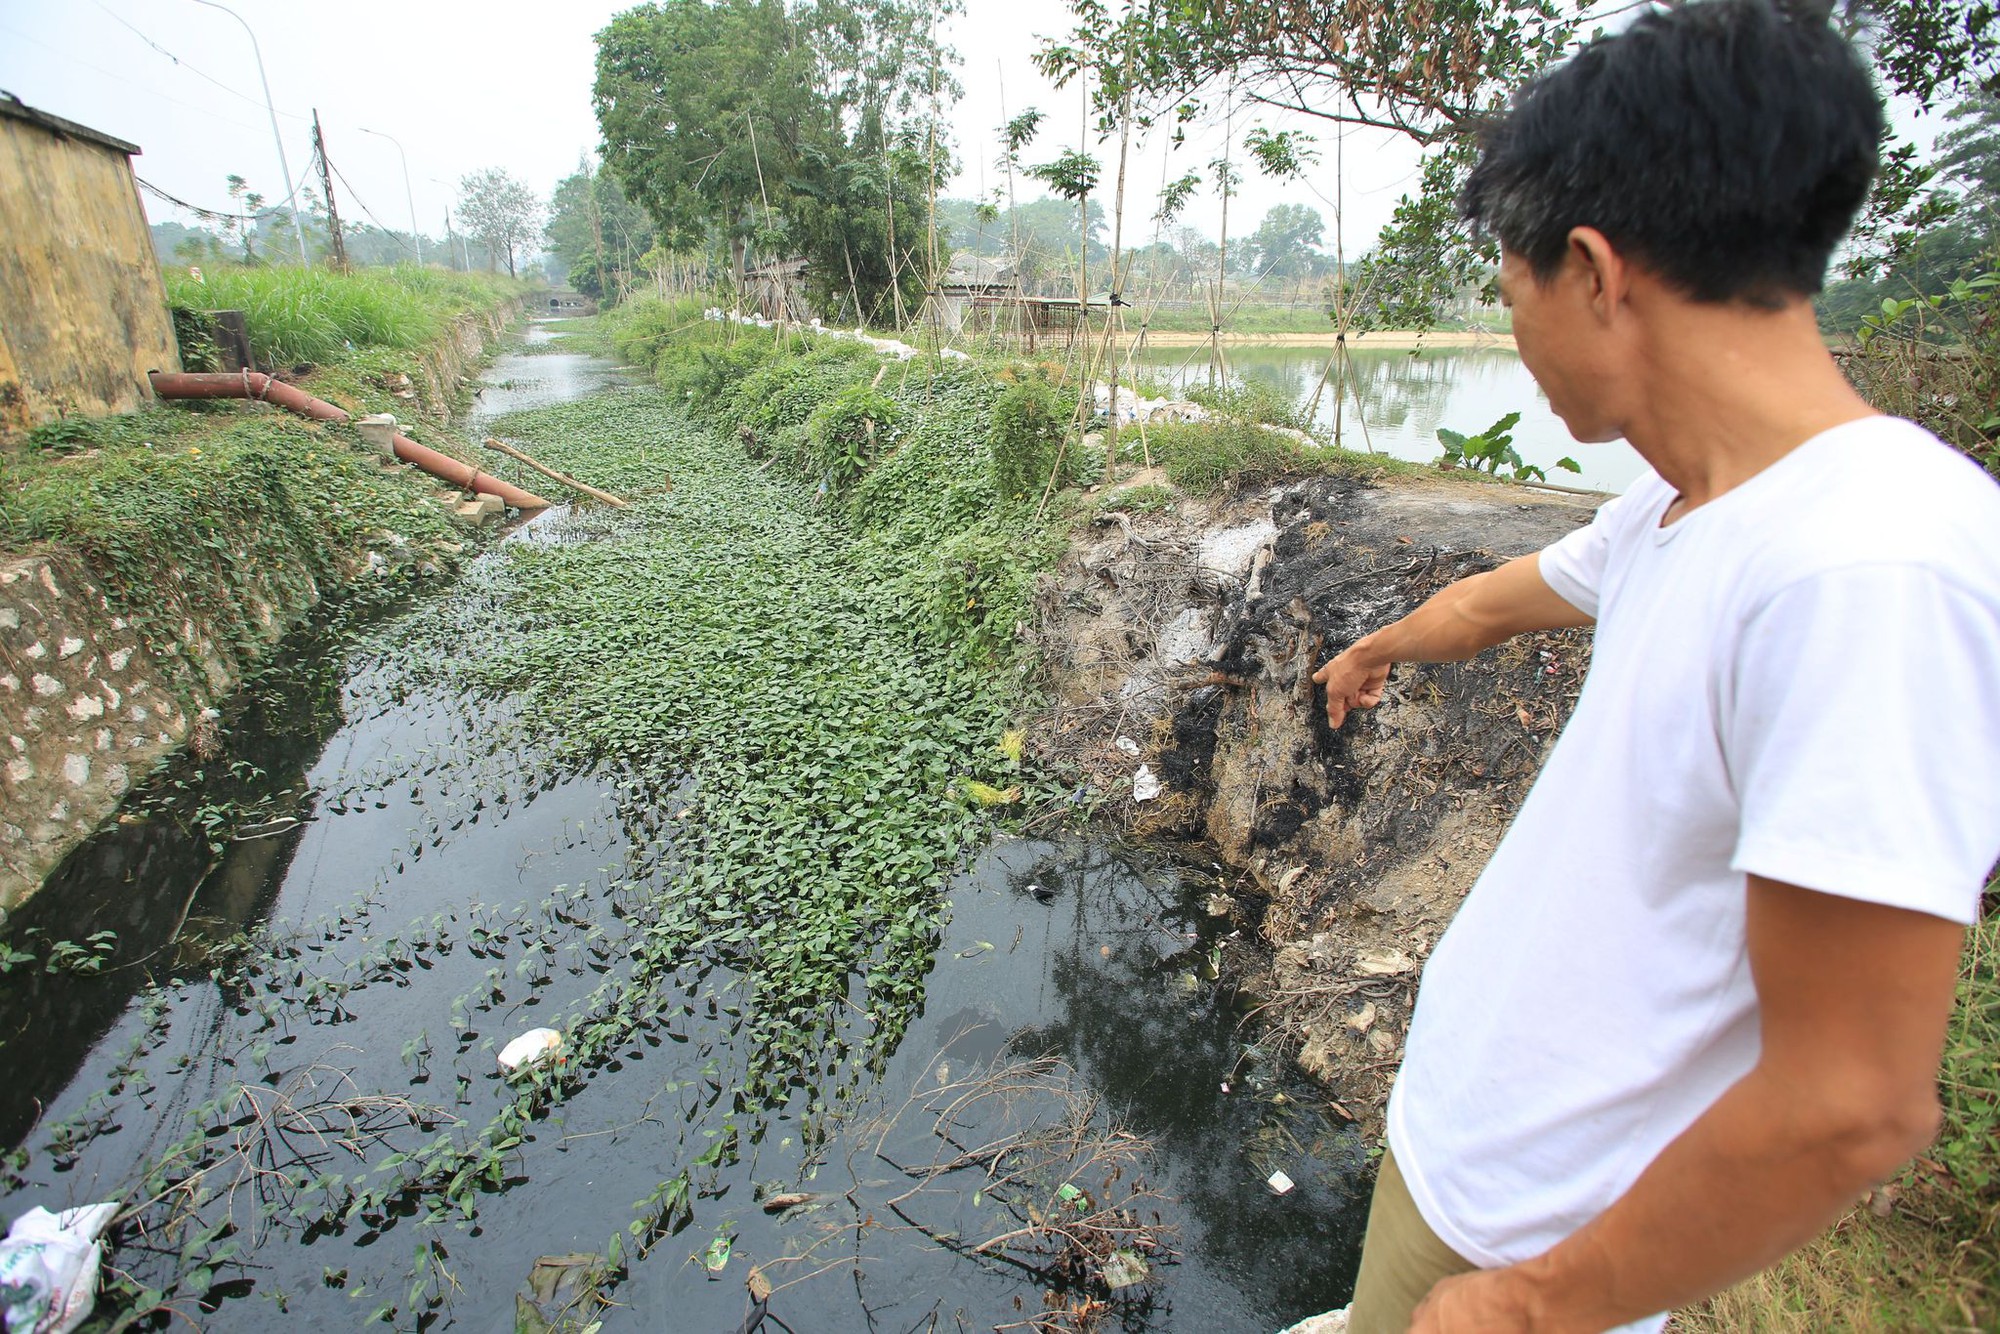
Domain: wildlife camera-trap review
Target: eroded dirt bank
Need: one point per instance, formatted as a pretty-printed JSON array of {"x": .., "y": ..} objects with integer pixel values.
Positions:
[{"x": 1183, "y": 637}]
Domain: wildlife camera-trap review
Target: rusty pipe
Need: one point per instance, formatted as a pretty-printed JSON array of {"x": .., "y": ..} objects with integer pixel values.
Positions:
[
  {"x": 253, "y": 385},
  {"x": 465, "y": 475},
  {"x": 259, "y": 387}
]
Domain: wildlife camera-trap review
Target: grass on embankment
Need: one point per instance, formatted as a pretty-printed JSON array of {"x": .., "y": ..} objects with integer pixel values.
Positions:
[
  {"x": 194, "y": 486},
  {"x": 300, "y": 315},
  {"x": 1273, "y": 317}
]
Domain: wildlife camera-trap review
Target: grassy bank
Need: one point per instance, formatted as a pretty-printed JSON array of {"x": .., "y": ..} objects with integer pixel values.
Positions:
[
  {"x": 299, "y": 315},
  {"x": 1255, "y": 317},
  {"x": 128, "y": 484}
]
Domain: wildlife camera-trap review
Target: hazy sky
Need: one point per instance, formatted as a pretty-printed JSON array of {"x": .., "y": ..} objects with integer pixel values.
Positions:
[{"x": 507, "y": 83}]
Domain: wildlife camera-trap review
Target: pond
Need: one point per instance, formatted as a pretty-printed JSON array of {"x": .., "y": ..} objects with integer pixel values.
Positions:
[
  {"x": 1398, "y": 398},
  {"x": 435, "y": 874}
]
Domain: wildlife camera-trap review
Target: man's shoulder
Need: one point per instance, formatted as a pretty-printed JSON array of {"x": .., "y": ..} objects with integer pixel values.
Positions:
[{"x": 1879, "y": 491}]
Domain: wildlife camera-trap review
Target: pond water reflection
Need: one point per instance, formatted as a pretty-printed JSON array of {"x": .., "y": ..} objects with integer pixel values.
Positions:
[{"x": 1397, "y": 398}]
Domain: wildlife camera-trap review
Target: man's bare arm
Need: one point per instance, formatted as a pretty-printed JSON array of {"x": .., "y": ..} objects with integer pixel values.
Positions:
[
  {"x": 1466, "y": 618},
  {"x": 1855, "y": 999}
]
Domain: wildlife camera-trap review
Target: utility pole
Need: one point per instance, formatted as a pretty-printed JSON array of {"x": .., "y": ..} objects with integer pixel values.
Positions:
[{"x": 326, "y": 187}]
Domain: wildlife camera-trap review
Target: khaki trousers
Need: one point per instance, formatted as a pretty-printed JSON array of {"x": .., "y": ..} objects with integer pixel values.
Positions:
[{"x": 1401, "y": 1258}]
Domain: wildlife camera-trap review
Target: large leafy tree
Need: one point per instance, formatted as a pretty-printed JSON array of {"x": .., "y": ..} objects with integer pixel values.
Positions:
[
  {"x": 1428, "y": 68},
  {"x": 806, "y": 128},
  {"x": 499, "y": 212},
  {"x": 1286, "y": 244}
]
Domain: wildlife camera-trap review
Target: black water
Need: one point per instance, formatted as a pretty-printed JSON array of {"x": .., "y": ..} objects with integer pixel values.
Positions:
[{"x": 441, "y": 877}]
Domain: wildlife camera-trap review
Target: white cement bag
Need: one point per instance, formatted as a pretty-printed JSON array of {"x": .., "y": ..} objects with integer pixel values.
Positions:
[{"x": 48, "y": 1268}]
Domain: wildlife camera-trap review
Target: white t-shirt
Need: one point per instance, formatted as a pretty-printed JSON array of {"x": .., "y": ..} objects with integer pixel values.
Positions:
[{"x": 1799, "y": 679}]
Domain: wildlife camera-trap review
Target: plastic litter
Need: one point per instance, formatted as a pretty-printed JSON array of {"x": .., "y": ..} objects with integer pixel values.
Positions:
[
  {"x": 1127, "y": 745},
  {"x": 531, "y": 1048},
  {"x": 1145, "y": 786},
  {"x": 48, "y": 1268},
  {"x": 564, "y": 1292},
  {"x": 1279, "y": 1183},
  {"x": 1124, "y": 1269}
]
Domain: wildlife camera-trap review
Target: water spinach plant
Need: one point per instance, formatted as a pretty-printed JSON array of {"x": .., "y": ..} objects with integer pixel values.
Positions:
[{"x": 792, "y": 666}]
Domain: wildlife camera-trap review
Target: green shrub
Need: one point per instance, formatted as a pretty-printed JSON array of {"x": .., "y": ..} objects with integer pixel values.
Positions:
[
  {"x": 641, "y": 329},
  {"x": 1025, "y": 441},
  {"x": 1202, "y": 457},
  {"x": 705, "y": 375},
  {"x": 981, "y": 584},
  {"x": 848, "y": 432},
  {"x": 786, "y": 390},
  {"x": 1253, "y": 400}
]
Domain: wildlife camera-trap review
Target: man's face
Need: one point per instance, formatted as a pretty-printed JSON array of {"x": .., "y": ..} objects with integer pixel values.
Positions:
[{"x": 1561, "y": 343}]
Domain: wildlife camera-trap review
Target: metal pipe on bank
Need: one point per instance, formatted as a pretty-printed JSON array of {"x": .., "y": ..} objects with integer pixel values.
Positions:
[{"x": 257, "y": 386}]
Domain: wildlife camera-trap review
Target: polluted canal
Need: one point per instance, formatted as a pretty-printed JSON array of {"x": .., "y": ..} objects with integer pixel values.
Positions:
[{"x": 837, "y": 1052}]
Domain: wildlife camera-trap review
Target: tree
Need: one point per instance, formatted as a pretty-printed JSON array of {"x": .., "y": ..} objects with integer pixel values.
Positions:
[
  {"x": 1968, "y": 154},
  {"x": 1932, "y": 48},
  {"x": 1287, "y": 242},
  {"x": 243, "y": 226},
  {"x": 810, "y": 128},
  {"x": 499, "y": 212},
  {"x": 1428, "y": 70},
  {"x": 1434, "y": 72},
  {"x": 598, "y": 234}
]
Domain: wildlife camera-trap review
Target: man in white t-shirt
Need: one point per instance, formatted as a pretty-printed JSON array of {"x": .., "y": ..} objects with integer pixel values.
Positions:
[{"x": 1695, "y": 1003}]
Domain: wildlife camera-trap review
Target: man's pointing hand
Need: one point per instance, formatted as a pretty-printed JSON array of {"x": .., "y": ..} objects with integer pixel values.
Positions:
[{"x": 1350, "y": 684}]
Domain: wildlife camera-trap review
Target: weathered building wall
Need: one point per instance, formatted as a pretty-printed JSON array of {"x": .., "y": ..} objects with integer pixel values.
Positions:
[{"x": 83, "y": 315}]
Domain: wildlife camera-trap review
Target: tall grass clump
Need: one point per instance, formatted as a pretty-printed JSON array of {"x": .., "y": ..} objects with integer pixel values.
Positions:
[{"x": 311, "y": 315}]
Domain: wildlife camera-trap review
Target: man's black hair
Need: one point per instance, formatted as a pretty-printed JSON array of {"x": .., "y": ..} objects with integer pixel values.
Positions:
[{"x": 1726, "y": 145}]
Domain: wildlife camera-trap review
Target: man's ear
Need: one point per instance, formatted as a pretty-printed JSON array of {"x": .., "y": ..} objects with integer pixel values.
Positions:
[{"x": 1604, "y": 270}]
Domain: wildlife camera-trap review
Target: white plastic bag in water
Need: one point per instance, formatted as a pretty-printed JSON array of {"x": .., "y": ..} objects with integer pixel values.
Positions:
[
  {"x": 48, "y": 1268},
  {"x": 531, "y": 1048}
]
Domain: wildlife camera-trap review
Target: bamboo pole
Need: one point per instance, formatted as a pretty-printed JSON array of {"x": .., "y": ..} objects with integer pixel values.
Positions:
[
  {"x": 502, "y": 447},
  {"x": 1111, "y": 310}
]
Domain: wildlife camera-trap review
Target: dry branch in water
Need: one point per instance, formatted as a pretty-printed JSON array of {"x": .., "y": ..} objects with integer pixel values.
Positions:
[{"x": 1025, "y": 1171}]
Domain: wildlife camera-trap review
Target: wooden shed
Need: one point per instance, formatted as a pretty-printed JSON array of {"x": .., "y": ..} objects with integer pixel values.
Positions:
[{"x": 83, "y": 315}]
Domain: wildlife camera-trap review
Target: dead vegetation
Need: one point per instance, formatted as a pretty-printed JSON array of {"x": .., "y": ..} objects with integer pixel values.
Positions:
[{"x": 1016, "y": 1166}]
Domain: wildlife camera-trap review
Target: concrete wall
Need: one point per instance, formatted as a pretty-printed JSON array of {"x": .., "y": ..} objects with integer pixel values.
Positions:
[
  {"x": 83, "y": 315},
  {"x": 84, "y": 709}
]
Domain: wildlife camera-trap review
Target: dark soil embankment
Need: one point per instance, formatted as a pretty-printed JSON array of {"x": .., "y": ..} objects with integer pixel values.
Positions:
[{"x": 1185, "y": 640}]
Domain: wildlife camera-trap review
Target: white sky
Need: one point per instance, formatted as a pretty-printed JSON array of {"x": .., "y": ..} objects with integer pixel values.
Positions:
[{"x": 507, "y": 83}]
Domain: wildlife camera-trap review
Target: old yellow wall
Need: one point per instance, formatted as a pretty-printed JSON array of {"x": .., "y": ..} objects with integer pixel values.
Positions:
[{"x": 83, "y": 315}]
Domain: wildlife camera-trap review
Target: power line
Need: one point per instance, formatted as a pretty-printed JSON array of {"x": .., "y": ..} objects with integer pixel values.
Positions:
[
  {"x": 233, "y": 92},
  {"x": 217, "y": 215},
  {"x": 356, "y": 196},
  {"x": 123, "y": 80}
]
